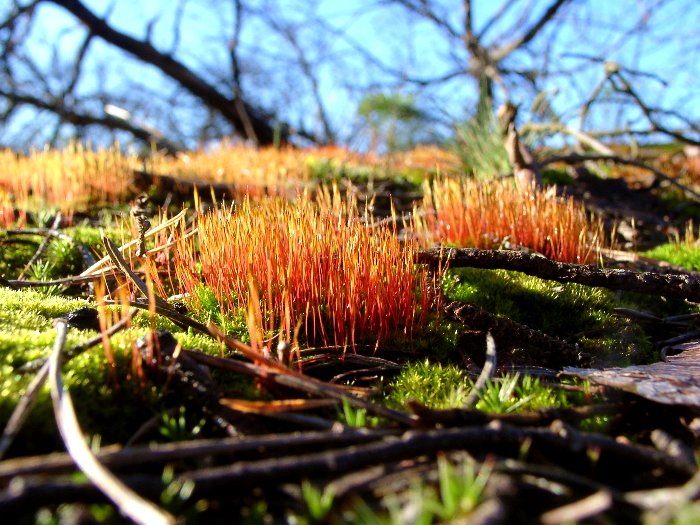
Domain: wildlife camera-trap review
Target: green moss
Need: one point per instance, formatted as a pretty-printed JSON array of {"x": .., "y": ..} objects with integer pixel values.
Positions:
[
  {"x": 687, "y": 514},
  {"x": 557, "y": 309},
  {"x": 27, "y": 334},
  {"x": 569, "y": 311},
  {"x": 14, "y": 254},
  {"x": 679, "y": 253},
  {"x": 432, "y": 384},
  {"x": 438, "y": 338}
]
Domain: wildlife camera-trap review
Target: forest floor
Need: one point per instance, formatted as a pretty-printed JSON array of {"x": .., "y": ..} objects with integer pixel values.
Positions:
[{"x": 490, "y": 384}]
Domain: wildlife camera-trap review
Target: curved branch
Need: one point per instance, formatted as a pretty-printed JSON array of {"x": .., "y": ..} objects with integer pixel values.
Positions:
[
  {"x": 145, "y": 52},
  {"x": 76, "y": 118},
  {"x": 500, "y": 53},
  {"x": 648, "y": 111}
]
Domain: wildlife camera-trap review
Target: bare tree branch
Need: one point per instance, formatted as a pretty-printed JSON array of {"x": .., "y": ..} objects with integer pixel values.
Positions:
[
  {"x": 18, "y": 12},
  {"x": 77, "y": 65},
  {"x": 144, "y": 51},
  {"x": 505, "y": 50},
  {"x": 76, "y": 118},
  {"x": 291, "y": 35},
  {"x": 649, "y": 112},
  {"x": 236, "y": 73}
]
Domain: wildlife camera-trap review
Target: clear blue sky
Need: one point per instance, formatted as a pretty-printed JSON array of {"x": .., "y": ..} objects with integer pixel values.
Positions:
[{"x": 666, "y": 45}]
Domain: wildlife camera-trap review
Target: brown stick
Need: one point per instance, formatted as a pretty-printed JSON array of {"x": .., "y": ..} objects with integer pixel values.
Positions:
[
  {"x": 680, "y": 286},
  {"x": 551, "y": 351}
]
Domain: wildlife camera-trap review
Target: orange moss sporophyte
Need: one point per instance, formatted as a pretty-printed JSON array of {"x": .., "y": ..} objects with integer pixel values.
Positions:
[
  {"x": 71, "y": 178},
  {"x": 10, "y": 217},
  {"x": 315, "y": 261},
  {"x": 477, "y": 214}
]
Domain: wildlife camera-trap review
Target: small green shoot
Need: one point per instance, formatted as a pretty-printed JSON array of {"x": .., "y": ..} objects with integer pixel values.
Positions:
[
  {"x": 318, "y": 502},
  {"x": 175, "y": 427},
  {"x": 353, "y": 417},
  {"x": 511, "y": 393},
  {"x": 176, "y": 492},
  {"x": 42, "y": 271},
  {"x": 461, "y": 487},
  {"x": 356, "y": 417}
]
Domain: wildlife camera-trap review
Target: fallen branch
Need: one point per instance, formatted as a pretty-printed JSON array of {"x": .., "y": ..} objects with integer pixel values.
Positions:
[
  {"x": 27, "y": 401},
  {"x": 552, "y": 352},
  {"x": 275, "y": 462},
  {"x": 486, "y": 374},
  {"x": 116, "y": 457},
  {"x": 126, "y": 500},
  {"x": 416, "y": 443},
  {"x": 680, "y": 286}
]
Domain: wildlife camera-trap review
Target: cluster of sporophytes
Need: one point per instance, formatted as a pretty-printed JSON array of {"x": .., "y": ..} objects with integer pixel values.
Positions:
[
  {"x": 318, "y": 262},
  {"x": 72, "y": 178},
  {"x": 464, "y": 212},
  {"x": 283, "y": 171}
]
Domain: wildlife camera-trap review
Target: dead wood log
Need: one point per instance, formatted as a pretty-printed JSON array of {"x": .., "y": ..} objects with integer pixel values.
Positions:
[{"x": 672, "y": 285}]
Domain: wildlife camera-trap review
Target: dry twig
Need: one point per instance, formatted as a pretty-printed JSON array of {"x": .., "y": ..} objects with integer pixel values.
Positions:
[
  {"x": 681, "y": 286},
  {"x": 126, "y": 500}
]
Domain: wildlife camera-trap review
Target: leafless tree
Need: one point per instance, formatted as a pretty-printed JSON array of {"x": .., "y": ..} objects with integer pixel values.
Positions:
[{"x": 182, "y": 73}]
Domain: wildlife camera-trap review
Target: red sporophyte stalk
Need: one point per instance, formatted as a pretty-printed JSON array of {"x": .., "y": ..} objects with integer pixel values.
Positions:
[
  {"x": 484, "y": 214},
  {"x": 315, "y": 261},
  {"x": 76, "y": 177}
]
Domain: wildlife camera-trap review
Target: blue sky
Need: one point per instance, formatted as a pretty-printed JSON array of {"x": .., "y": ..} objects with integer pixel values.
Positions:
[{"x": 667, "y": 45}]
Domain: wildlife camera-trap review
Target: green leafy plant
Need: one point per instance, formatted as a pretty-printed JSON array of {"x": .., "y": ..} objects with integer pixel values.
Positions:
[
  {"x": 461, "y": 488},
  {"x": 500, "y": 397},
  {"x": 356, "y": 417},
  {"x": 175, "y": 427},
  {"x": 512, "y": 393},
  {"x": 353, "y": 417},
  {"x": 177, "y": 492}
]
